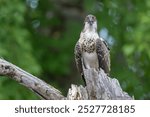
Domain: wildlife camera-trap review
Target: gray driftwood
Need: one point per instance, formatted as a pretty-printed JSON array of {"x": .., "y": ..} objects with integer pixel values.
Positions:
[{"x": 99, "y": 85}]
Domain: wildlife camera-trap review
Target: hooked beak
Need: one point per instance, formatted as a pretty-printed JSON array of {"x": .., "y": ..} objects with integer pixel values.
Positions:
[{"x": 90, "y": 21}]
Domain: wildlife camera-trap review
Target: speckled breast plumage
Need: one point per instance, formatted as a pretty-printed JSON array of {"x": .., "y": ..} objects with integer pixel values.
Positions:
[{"x": 88, "y": 45}]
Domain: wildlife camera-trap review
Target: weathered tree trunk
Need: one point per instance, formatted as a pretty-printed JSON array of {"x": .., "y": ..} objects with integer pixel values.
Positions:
[{"x": 99, "y": 85}]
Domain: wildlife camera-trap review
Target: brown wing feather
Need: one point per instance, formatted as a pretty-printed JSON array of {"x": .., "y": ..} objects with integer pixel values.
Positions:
[
  {"x": 103, "y": 55},
  {"x": 78, "y": 59}
]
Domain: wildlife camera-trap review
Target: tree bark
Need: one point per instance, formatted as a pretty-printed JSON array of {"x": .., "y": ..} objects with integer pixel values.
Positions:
[
  {"x": 33, "y": 83},
  {"x": 99, "y": 85}
]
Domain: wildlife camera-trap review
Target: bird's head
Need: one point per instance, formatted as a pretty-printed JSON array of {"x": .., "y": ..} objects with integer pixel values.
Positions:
[{"x": 90, "y": 23}]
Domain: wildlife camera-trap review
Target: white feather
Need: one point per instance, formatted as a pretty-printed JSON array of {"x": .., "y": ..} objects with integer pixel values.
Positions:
[{"x": 90, "y": 60}]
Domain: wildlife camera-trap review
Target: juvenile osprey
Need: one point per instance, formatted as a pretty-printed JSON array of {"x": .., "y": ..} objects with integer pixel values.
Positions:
[{"x": 91, "y": 51}]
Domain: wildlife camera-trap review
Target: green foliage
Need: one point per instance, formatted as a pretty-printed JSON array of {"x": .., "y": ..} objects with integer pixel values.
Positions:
[
  {"x": 39, "y": 36},
  {"x": 15, "y": 45}
]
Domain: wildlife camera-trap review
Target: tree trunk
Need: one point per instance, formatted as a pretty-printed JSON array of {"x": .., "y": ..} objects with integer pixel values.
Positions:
[{"x": 99, "y": 87}]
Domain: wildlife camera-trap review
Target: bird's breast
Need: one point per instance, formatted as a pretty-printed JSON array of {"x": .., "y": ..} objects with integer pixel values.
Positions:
[
  {"x": 90, "y": 60},
  {"x": 88, "y": 41},
  {"x": 88, "y": 45}
]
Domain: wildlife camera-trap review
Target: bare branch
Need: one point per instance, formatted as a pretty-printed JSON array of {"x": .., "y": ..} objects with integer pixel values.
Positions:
[{"x": 33, "y": 83}]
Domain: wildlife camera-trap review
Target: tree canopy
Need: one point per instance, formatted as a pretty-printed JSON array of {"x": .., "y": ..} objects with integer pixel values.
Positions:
[{"x": 39, "y": 36}]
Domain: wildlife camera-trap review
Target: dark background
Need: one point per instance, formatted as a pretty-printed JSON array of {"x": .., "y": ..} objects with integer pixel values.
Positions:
[{"x": 39, "y": 36}]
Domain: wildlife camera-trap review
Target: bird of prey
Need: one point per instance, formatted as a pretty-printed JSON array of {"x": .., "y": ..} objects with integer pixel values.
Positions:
[{"x": 91, "y": 51}]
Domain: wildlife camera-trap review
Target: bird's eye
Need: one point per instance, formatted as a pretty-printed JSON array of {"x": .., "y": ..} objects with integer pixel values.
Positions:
[{"x": 93, "y": 17}]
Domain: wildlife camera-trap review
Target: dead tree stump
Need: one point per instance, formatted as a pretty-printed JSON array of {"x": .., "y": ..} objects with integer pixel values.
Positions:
[{"x": 99, "y": 87}]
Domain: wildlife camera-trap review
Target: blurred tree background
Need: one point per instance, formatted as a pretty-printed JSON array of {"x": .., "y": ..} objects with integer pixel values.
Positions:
[{"x": 39, "y": 36}]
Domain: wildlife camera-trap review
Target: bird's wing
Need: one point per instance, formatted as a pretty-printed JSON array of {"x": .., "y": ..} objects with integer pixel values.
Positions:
[
  {"x": 78, "y": 59},
  {"x": 103, "y": 55}
]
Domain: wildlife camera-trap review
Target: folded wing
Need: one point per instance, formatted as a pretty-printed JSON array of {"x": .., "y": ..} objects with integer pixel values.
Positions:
[{"x": 103, "y": 55}]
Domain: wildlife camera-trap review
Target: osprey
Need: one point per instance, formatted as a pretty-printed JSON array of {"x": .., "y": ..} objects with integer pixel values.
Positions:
[{"x": 91, "y": 51}]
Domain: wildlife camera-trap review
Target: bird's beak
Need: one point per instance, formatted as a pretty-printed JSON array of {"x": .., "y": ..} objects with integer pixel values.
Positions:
[{"x": 90, "y": 21}]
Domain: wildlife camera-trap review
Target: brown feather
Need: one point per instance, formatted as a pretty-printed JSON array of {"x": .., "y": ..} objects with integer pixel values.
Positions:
[
  {"x": 103, "y": 55},
  {"x": 78, "y": 60},
  {"x": 78, "y": 57}
]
